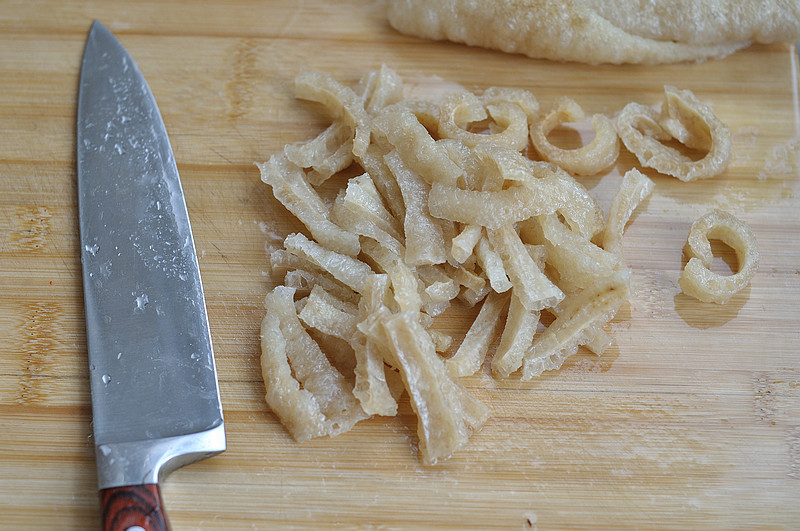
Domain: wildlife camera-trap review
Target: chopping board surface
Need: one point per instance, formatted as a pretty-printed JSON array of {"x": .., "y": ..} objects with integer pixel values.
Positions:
[{"x": 691, "y": 420}]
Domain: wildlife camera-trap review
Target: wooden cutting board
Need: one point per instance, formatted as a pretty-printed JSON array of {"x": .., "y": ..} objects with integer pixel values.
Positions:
[{"x": 692, "y": 420}]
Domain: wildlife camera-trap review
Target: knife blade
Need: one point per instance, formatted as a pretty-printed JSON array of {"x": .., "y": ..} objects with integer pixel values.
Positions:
[{"x": 155, "y": 396}]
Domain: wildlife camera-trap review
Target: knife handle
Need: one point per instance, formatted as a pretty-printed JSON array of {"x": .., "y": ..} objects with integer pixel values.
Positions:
[{"x": 133, "y": 508}]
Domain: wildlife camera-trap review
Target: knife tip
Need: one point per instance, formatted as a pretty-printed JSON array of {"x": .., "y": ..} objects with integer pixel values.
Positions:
[{"x": 97, "y": 26}]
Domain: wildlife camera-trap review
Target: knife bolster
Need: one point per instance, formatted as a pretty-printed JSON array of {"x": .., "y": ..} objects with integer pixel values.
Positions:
[{"x": 147, "y": 462}]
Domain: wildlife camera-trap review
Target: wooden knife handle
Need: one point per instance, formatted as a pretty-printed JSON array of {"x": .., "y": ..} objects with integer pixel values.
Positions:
[{"x": 134, "y": 508}]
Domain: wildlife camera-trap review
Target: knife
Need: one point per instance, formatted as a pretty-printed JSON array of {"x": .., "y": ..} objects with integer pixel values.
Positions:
[{"x": 155, "y": 396}]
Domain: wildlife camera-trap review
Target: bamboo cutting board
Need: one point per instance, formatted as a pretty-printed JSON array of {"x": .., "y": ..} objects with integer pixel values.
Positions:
[{"x": 692, "y": 419}]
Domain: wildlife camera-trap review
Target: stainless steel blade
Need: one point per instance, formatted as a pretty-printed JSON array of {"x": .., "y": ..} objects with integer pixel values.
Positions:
[{"x": 155, "y": 396}]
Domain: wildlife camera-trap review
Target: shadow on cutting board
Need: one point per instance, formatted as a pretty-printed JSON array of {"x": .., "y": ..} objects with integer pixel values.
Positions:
[{"x": 705, "y": 315}]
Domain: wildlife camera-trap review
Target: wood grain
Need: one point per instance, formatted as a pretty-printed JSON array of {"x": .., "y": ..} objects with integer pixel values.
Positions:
[
  {"x": 133, "y": 507},
  {"x": 692, "y": 420}
]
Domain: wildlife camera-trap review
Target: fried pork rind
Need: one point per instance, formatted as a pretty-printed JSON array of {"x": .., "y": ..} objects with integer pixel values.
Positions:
[
  {"x": 492, "y": 265},
  {"x": 502, "y": 95},
  {"x": 380, "y": 88},
  {"x": 580, "y": 210},
  {"x": 415, "y": 146},
  {"x": 326, "y": 154},
  {"x": 683, "y": 118},
  {"x": 602, "y": 31},
  {"x": 290, "y": 187},
  {"x": 462, "y": 245},
  {"x": 697, "y": 280},
  {"x": 578, "y": 261},
  {"x": 557, "y": 188},
  {"x": 373, "y": 163},
  {"x": 590, "y": 159},
  {"x": 329, "y": 315},
  {"x": 471, "y": 353},
  {"x": 341, "y": 101},
  {"x": 517, "y": 337},
  {"x": 508, "y": 119},
  {"x": 486, "y": 208},
  {"x": 423, "y": 235},
  {"x": 525, "y": 189},
  {"x": 706, "y": 22},
  {"x": 531, "y": 285},
  {"x": 371, "y": 386},
  {"x": 579, "y": 318},
  {"x": 438, "y": 292},
  {"x": 307, "y": 393},
  {"x": 634, "y": 189},
  {"x": 447, "y": 211},
  {"x": 303, "y": 281},
  {"x": 348, "y": 270},
  {"x": 405, "y": 284},
  {"x": 360, "y": 210},
  {"x": 332, "y": 150},
  {"x": 446, "y": 412}
]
